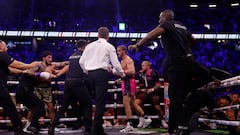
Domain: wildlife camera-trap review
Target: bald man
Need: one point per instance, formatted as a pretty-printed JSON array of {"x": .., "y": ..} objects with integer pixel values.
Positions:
[
  {"x": 7, "y": 64},
  {"x": 180, "y": 69},
  {"x": 149, "y": 91}
]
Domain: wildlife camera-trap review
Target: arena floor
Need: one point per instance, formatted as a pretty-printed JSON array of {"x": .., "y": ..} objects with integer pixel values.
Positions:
[{"x": 115, "y": 131}]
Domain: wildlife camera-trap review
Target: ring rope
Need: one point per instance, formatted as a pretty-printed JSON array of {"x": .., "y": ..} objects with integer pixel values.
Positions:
[
  {"x": 232, "y": 107},
  {"x": 224, "y": 83},
  {"x": 43, "y": 120},
  {"x": 221, "y": 122}
]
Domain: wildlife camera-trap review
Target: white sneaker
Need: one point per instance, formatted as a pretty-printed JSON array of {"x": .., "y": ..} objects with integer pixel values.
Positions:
[
  {"x": 213, "y": 125},
  {"x": 26, "y": 126},
  {"x": 164, "y": 124},
  {"x": 56, "y": 129},
  {"x": 107, "y": 124},
  {"x": 141, "y": 121},
  {"x": 127, "y": 129},
  {"x": 146, "y": 122}
]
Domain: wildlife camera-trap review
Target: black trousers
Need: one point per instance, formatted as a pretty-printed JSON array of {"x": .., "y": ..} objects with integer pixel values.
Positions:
[
  {"x": 9, "y": 107},
  {"x": 99, "y": 80},
  {"x": 77, "y": 91},
  {"x": 25, "y": 95},
  {"x": 76, "y": 112},
  {"x": 180, "y": 76}
]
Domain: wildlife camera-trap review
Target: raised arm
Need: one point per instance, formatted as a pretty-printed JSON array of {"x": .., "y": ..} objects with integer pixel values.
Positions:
[
  {"x": 60, "y": 64},
  {"x": 15, "y": 70},
  {"x": 21, "y": 65},
  {"x": 149, "y": 37},
  {"x": 62, "y": 71}
]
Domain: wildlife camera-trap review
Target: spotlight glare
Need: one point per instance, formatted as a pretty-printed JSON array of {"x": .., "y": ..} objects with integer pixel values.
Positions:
[
  {"x": 234, "y": 4},
  {"x": 207, "y": 26},
  {"x": 212, "y": 5},
  {"x": 193, "y": 5}
]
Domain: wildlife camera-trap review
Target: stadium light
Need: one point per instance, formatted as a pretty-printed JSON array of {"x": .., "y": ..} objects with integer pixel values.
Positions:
[
  {"x": 234, "y": 4},
  {"x": 121, "y": 26},
  {"x": 135, "y": 35},
  {"x": 212, "y": 5},
  {"x": 193, "y": 5}
]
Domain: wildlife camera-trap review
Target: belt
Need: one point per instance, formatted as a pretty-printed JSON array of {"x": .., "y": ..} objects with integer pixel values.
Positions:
[
  {"x": 77, "y": 79},
  {"x": 100, "y": 69},
  {"x": 43, "y": 85}
]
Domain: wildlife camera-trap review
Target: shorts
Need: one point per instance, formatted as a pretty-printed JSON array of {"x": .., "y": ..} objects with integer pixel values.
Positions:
[
  {"x": 44, "y": 94},
  {"x": 128, "y": 86},
  {"x": 148, "y": 98}
]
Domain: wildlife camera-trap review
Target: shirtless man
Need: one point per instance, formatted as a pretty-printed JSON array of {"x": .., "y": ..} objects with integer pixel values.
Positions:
[
  {"x": 25, "y": 95},
  {"x": 43, "y": 88},
  {"x": 128, "y": 85}
]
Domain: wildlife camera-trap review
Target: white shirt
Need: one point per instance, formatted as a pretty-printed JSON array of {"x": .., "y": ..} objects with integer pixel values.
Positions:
[{"x": 98, "y": 55}]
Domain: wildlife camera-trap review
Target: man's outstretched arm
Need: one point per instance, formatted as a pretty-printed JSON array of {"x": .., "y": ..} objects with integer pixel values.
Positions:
[{"x": 150, "y": 36}]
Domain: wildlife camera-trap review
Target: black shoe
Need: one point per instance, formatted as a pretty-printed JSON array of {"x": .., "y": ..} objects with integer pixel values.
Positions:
[
  {"x": 20, "y": 132},
  {"x": 87, "y": 133},
  {"x": 182, "y": 132},
  {"x": 33, "y": 130}
]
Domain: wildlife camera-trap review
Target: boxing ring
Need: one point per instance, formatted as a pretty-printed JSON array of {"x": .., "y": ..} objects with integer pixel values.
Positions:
[
  {"x": 115, "y": 92},
  {"x": 232, "y": 125}
]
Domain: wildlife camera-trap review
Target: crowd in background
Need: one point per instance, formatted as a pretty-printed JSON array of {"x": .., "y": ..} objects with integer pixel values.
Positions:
[
  {"x": 224, "y": 55},
  {"x": 87, "y": 16},
  {"x": 219, "y": 54}
]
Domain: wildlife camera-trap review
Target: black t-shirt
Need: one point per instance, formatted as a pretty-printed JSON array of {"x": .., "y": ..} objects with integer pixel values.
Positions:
[
  {"x": 175, "y": 40},
  {"x": 147, "y": 79},
  {"x": 5, "y": 60},
  {"x": 75, "y": 71}
]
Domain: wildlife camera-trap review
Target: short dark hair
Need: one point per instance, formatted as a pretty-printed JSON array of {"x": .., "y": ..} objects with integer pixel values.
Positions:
[
  {"x": 81, "y": 43},
  {"x": 46, "y": 53},
  {"x": 103, "y": 32},
  {"x": 122, "y": 47},
  {"x": 227, "y": 98}
]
